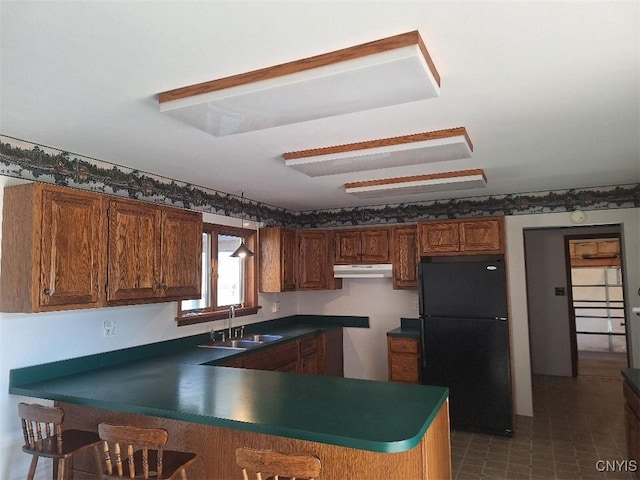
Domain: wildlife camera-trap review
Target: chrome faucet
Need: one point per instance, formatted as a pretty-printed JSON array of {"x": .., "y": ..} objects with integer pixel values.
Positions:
[{"x": 232, "y": 313}]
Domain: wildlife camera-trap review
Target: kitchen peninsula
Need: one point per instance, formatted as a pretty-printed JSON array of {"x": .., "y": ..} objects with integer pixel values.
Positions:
[{"x": 358, "y": 428}]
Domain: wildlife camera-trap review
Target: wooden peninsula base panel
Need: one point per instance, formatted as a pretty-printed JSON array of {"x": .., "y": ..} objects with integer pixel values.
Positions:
[{"x": 215, "y": 448}]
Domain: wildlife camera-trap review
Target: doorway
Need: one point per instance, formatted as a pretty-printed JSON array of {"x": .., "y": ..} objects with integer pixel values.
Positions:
[
  {"x": 596, "y": 305},
  {"x": 552, "y": 329}
]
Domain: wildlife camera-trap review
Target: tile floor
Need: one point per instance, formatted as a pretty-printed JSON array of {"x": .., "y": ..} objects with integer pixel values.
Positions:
[{"x": 576, "y": 422}]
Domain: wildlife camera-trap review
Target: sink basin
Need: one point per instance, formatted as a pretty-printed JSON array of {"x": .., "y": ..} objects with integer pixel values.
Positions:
[
  {"x": 233, "y": 344},
  {"x": 263, "y": 338}
]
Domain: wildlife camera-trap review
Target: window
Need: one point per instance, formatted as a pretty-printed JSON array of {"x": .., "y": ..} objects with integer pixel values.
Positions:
[{"x": 226, "y": 280}]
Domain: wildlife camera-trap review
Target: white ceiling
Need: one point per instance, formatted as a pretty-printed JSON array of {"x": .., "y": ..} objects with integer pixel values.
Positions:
[{"x": 549, "y": 92}]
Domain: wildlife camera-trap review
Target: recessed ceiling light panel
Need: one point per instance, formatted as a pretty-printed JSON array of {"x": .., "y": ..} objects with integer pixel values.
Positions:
[
  {"x": 426, "y": 147},
  {"x": 437, "y": 182},
  {"x": 385, "y": 72}
]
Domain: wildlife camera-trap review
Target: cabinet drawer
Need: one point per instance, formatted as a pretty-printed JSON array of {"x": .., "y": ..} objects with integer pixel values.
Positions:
[
  {"x": 308, "y": 345},
  {"x": 403, "y": 345},
  {"x": 273, "y": 358}
]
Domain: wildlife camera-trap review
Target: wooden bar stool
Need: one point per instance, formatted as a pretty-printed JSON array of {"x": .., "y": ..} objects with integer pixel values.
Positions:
[
  {"x": 268, "y": 464},
  {"x": 129, "y": 452},
  {"x": 44, "y": 437}
]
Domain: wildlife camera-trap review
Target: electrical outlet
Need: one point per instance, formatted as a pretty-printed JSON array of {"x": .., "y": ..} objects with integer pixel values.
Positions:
[
  {"x": 415, "y": 306},
  {"x": 275, "y": 307},
  {"x": 109, "y": 328}
]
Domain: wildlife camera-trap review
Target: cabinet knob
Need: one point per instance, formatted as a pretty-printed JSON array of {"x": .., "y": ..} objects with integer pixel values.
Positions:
[
  {"x": 46, "y": 291},
  {"x": 164, "y": 286}
]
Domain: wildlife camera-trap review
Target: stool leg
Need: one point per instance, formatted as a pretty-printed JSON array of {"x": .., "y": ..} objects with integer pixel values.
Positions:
[{"x": 32, "y": 468}]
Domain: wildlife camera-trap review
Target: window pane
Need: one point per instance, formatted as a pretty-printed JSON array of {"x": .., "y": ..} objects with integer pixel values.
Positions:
[
  {"x": 230, "y": 272},
  {"x": 205, "y": 300}
]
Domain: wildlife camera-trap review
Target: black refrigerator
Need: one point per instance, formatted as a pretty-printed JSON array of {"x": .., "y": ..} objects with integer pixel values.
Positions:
[{"x": 464, "y": 338}]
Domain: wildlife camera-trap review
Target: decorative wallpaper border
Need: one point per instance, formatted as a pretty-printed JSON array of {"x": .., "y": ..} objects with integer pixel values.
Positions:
[{"x": 31, "y": 161}]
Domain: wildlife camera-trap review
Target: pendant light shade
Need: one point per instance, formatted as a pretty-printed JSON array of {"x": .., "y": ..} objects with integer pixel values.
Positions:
[{"x": 242, "y": 251}]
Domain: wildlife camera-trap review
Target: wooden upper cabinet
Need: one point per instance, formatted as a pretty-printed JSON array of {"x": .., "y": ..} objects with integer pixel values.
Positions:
[
  {"x": 52, "y": 249},
  {"x": 181, "y": 255},
  {"x": 277, "y": 260},
  {"x": 457, "y": 237},
  {"x": 362, "y": 246},
  {"x": 153, "y": 252},
  {"x": 313, "y": 262},
  {"x": 595, "y": 252},
  {"x": 134, "y": 251},
  {"x": 405, "y": 257}
]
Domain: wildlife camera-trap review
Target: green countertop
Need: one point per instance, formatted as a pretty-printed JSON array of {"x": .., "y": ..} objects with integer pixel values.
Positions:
[
  {"x": 632, "y": 376},
  {"x": 363, "y": 414},
  {"x": 409, "y": 328}
]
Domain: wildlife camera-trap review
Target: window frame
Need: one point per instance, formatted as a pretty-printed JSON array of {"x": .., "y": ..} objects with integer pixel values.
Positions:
[{"x": 250, "y": 305}]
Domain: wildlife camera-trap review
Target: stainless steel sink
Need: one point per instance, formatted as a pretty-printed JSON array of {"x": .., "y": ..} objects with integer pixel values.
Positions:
[
  {"x": 249, "y": 341},
  {"x": 266, "y": 338},
  {"x": 233, "y": 344}
]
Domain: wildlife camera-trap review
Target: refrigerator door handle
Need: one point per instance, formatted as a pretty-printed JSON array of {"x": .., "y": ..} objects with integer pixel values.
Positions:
[{"x": 423, "y": 359}]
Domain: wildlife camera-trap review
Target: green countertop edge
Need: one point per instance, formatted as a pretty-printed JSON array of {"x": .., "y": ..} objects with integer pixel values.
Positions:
[
  {"x": 23, "y": 381},
  {"x": 632, "y": 376},
  {"x": 61, "y": 368},
  {"x": 396, "y": 446},
  {"x": 409, "y": 328}
]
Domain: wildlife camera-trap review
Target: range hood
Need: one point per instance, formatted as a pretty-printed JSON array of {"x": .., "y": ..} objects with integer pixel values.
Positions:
[{"x": 379, "y": 270}]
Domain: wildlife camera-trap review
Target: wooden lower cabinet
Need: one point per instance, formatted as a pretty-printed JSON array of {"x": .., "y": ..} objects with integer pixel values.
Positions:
[
  {"x": 320, "y": 354},
  {"x": 632, "y": 426},
  {"x": 404, "y": 359},
  {"x": 215, "y": 448}
]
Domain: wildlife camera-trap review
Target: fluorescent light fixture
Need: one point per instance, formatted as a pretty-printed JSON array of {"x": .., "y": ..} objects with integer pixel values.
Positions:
[
  {"x": 419, "y": 148},
  {"x": 377, "y": 74},
  {"x": 436, "y": 182}
]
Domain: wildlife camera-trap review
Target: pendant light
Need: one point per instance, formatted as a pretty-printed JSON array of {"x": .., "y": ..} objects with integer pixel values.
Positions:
[{"x": 242, "y": 251}]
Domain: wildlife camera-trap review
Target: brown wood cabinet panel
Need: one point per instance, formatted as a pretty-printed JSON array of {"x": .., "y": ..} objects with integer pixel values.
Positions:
[
  {"x": 362, "y": 245},
  {"x": 632, "y": 424},
  {"x": 595, "y": 253},
  {"x": 466, "y": 237},
  {"x": 405, "y": 257},
  {"x": 274, "y": 358},
  {"x": 403, "y": 359},
  {"x": 277, "y": 260},
  {"x": 134, "y": 251},
  {"x": 480, "y": 236},
  {"x": 314, "y": 268},
  {"x": 52, "y": 249},
  {"x": 439, "y": 237},
  {"x": 181, "y": 256},
  {"x": 154, "y": 252}
]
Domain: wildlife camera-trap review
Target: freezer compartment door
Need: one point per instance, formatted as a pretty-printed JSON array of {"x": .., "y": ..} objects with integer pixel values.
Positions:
[{"x": 470, "y": 356}]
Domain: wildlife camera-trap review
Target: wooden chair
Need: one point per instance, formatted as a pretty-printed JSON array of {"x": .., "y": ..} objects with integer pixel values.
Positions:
[
  {"x": 268, "y": 464},
  {"x": 44, "y": 437},
  {"x": 130, "y": 452}
]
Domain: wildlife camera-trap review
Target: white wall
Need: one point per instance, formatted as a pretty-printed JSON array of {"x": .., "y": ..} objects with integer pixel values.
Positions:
[
  {"x": 365, "y": 350},
  {"x": 514, "y": 226}
]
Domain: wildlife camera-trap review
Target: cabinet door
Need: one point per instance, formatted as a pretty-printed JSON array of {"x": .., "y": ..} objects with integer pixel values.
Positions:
[
  {"x": 312, "y": 260},
  {"x": 374, "y": 246},
  {"x": 439, "y": 237},
  {"x": 277, "y": 260},
  {"x": 71, "y": 249},
  {"x": 405, "y": 257},
  {"x": 181, "y": 255},
  {"x": 288, "y": 260},
  {"x": 134, "y": 251},
  {"x": 404, "y": 360},
  {"x": 348, "y": 246},
  {"x": 480, "y": 236}
]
